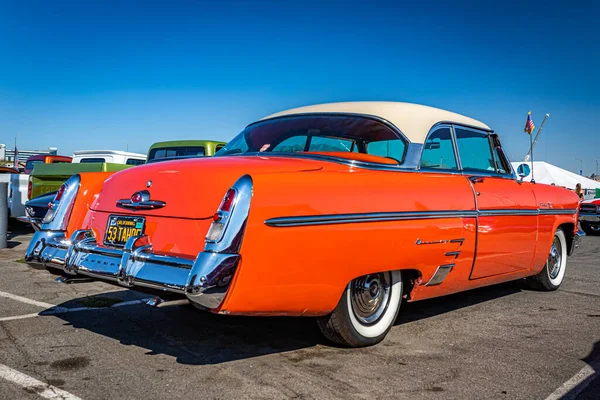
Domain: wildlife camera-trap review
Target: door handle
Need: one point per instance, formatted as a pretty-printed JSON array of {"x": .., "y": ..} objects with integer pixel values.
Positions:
[{"x": 476, "y": 179}]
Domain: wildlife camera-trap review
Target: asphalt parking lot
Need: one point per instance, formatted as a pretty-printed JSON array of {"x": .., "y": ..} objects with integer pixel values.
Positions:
[{"x": 92, "y": 340}]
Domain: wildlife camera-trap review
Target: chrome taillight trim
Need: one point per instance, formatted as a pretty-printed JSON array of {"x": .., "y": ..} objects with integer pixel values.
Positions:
[
  {"x": 230, "y": 239},
  {"x": 60, "y": 211},
  {"x": 224, "y": 217}
]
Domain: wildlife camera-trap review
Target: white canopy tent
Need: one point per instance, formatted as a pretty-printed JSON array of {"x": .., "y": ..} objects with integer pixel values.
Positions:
[{"x": 551, "y": 174}]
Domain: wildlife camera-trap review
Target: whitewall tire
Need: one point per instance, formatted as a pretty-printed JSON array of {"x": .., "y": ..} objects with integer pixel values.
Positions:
[
  {"x": 366, "y": 311},
  {"x": 553, "y": 273}
]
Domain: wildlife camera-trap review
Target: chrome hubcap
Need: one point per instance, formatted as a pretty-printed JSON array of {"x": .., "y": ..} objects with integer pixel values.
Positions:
[
  {"x": 554, "y": 259},
  {"x": 369, "y": 296}
]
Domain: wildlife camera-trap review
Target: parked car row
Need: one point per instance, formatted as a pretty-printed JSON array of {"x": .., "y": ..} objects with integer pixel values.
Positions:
[
  {"x": 45, "y": 180},
  {"x": 335, "y": 211}
]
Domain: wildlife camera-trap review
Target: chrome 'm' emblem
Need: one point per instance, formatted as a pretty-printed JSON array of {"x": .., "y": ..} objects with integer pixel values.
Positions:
[
  {"x": 148, "y": 184},
  {"x": 420, "y": 242}
]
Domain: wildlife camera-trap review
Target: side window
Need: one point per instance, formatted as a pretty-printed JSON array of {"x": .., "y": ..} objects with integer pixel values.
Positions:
[
  {"x": 291, "y": 145},
  {"x": 319, "y": 143},
  {"x": 219, "y": 147},
  {"x": 474, "y": 150},
  {"x": 387, "y": 148},
  {"x": 438, "y": 151}
]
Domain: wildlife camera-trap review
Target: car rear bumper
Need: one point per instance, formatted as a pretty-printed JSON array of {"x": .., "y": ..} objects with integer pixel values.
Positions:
[
  {"x": 36, "y": 223},
  {"x": 203, "y": 280}
]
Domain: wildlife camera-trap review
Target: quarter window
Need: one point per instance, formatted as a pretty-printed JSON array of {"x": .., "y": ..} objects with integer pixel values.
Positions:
[
  {"x": 438, "y": 151},
  {"x": 474, "y": 150}
]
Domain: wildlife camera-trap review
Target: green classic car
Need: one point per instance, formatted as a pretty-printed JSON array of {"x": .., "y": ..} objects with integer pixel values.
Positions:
[{"x": 174, "y": 149}]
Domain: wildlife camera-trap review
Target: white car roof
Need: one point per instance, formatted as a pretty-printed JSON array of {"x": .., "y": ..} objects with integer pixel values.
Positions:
[
  {"x": 108, "y": 152},
  {"x": 413, "y": 120}
]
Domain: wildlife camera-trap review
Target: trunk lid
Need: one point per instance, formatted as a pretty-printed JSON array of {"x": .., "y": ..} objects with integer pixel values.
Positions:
[{"x": 191, "y": 188}]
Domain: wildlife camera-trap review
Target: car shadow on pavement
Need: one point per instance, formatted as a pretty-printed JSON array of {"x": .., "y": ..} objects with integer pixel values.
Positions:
[
  {"x": 588, "y": 388},
  {"x": 193, "y": 336},
  {"x": 410, "y": 312},
  {"x": 196, "y": 337}
]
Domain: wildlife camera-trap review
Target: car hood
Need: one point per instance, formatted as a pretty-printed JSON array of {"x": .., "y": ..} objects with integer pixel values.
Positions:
[{"x": 191, "y": 188}]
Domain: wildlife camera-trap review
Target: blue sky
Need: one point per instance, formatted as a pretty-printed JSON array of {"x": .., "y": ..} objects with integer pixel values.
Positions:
[{"x": 112, "y": 74}]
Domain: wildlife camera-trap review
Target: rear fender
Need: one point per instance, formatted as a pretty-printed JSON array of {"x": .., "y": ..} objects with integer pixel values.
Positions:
[{"x": 89, "y": 189}]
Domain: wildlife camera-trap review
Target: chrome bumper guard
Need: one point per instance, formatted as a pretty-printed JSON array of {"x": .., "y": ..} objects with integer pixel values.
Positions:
[
  {"x": 575, "y": 242},
  {"x": 204, "y": 281}
]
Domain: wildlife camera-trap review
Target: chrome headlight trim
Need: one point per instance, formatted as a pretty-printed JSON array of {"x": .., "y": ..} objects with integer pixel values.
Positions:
[{"x": 60, "y": 211}]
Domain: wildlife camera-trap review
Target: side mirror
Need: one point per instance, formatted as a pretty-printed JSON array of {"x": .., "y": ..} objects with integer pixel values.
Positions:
[{"x": 523, "y": 170}]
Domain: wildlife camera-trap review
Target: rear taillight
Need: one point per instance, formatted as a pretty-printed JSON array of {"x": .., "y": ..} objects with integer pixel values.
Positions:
[
  {"x": 59, "y": 194},
  {"x": 221, "y": 217},
  {"x": 29, "y": 189},
  {"x": 227, "y": 202}
]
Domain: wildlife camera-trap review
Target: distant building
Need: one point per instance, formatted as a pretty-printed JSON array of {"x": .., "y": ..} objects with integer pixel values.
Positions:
[{"x": 9, "y": 154}]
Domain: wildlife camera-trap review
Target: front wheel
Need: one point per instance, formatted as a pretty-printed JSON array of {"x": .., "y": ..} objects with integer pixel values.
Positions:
[
  {"x": 551, "y": 276},
  {"x": 366, "y": 312}
]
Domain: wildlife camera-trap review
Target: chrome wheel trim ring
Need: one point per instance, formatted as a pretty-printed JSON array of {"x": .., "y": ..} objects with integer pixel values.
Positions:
[
  {"x": 554, "y": 262},
  {"x": 370, "y": 297}
]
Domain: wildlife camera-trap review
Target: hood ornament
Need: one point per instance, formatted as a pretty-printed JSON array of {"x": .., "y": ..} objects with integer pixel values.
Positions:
[{"x": 148, "y": 184}]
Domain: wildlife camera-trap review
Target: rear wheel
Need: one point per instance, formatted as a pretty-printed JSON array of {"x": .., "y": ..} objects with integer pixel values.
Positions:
[
  {"x": 366, "y": 312},
  {"x": 590, "y": 229},
  {"x": 551, "y": 276}
]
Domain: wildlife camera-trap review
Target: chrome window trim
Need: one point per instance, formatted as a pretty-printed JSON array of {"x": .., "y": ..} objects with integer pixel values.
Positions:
[{"x": 330, "y": 219}]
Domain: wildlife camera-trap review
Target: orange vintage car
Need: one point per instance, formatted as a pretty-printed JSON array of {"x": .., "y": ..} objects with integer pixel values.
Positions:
[{"x": 337, "y": 211}]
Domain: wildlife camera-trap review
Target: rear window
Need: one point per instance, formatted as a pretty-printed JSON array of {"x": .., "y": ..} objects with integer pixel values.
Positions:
[
  {"x": 134, "y": 161},
  {"x": 319, "y": 133},
  {"x": 92, "y": 160},
  {"x": 170, "y": 152},
  {"x": 60, "y": 162}
]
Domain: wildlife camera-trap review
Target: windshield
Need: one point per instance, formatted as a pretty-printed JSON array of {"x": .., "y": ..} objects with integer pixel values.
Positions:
[{"x": 320, "y": 134}]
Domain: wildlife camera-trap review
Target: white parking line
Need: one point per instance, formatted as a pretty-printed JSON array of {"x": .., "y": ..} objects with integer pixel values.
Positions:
[
  {"x": 51, "y": 309},
  {"x": 19, "y": 317},
  {"x": 32, "y": 385},
  {"x": 27, "y": 301},
  {"x": 571, "y": 388}
]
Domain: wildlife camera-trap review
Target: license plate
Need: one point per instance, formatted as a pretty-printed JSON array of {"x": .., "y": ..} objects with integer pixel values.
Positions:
[{"x": 120, "y": 228}]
